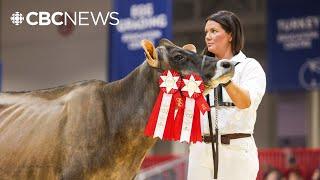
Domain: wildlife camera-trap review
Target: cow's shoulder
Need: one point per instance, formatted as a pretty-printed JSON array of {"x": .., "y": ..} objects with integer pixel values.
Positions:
[{"x": 85, "y": 88}]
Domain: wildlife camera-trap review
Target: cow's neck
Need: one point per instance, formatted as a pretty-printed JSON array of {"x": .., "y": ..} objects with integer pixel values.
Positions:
[
  {"x": 138, "y": 92},
  {"x": 140, "y": 89}
]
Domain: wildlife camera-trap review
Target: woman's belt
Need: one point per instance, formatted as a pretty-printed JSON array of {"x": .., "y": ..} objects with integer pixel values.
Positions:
[{"x": 225, "y": 138}]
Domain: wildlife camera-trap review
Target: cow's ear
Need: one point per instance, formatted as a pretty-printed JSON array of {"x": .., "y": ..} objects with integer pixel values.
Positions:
[
  {"x": 190, "y": 47},
  {"x": 150, "y": 52}
]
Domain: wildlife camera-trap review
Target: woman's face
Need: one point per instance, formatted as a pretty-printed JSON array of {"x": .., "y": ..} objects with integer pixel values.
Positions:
[{"x": 217, "y": 39}]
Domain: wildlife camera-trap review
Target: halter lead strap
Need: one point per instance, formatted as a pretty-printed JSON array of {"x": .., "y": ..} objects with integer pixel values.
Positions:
[
  {"x": 202, "y": 62},
  {"x": 215, "y": 141}
]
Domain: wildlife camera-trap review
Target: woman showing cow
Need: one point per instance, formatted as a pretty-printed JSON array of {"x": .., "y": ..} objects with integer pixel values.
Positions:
[{"x": 234, "y": 105}]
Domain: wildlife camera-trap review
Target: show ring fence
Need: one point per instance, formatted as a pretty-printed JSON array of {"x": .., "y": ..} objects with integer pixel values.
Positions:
[{"x": 172, "y": 167}]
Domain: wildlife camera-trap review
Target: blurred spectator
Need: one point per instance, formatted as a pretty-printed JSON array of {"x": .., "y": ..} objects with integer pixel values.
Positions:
[
  {"x": 294, "y": 174},
  {"x": 293, "y": 171},
  {"x": 316, "y": 174},
  {"x": 273, "y": 174},
  {"x": 290, "y": 158}
]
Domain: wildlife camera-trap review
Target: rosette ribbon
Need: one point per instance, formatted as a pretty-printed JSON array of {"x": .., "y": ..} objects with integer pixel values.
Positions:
[
  {"x": 187, "y": 122},
  {"x": 161, "y": 120}
]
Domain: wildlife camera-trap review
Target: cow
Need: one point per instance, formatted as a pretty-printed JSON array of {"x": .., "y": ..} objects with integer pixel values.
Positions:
[{"x": 91, "y": 129}]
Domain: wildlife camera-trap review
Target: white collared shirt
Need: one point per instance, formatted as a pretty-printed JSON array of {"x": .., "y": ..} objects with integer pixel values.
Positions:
[{"x": 250, "y": 76}]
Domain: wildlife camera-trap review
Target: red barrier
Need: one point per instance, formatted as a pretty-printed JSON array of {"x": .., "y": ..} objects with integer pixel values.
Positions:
[
  {"x": 307, "y": 160},
  {"x": 150, "y": 161}
]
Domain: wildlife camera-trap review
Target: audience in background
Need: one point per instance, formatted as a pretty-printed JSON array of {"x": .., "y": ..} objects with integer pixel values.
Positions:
[
  {"x": 293, "y": 166},
  {"x": 293, "y": 171},
  {"x": 273, "y": 174},
  {"x": 294, "y": 174},
  {"x": 316, "y": 174}
]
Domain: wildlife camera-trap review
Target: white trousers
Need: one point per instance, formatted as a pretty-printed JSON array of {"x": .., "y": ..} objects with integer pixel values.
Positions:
[{"x": 238, "y": 160}]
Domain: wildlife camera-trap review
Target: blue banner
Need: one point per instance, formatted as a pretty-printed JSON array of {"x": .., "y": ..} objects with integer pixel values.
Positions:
[
  {"x": 138, "y": 19},
  {"x": 293, "y": 45}
]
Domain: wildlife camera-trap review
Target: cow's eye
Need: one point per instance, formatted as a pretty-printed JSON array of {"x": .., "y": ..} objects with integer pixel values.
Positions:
[{"x": 178, "y": 57}]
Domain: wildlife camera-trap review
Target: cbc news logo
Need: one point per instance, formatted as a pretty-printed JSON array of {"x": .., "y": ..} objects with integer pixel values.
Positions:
[
  {"x": 81, "y": 18},
  {"x": 17, "y": 18}
]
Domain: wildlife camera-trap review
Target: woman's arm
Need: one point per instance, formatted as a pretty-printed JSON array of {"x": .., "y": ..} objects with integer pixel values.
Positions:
[
  {"x": 239, "y": 96},
  {"x": 251, "y": 87}
]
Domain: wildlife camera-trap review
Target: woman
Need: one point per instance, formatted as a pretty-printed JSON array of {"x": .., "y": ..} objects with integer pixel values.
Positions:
[{"x": 241, "y": 97}]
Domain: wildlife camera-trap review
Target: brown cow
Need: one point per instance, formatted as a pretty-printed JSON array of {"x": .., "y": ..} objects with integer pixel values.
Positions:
[{"x": 90, "y": 129}]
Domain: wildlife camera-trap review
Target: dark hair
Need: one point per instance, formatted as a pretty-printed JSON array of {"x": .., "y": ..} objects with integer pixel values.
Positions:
[{"x": 231, "y": 24}]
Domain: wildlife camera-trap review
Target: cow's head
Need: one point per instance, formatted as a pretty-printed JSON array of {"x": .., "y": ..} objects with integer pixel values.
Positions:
[{"x": 185, "y": 60}]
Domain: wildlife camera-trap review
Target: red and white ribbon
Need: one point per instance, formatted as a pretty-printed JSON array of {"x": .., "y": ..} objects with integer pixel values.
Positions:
[
  {"x": 161, "y": 120},
  {"x": 187, "y": 122}
]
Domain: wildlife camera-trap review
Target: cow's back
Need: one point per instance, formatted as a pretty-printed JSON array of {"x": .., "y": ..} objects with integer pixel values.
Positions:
[{"x": 39, "y": 129}]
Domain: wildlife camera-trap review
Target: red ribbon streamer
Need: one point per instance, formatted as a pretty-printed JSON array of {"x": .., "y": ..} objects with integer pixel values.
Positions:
[
  {"x": 175, "y": 103},
  {"x": 200, "y": 106}
]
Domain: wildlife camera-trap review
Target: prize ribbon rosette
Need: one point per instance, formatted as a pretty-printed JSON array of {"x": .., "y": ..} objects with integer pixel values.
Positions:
[
  {"x": 187, "y": 122},
  {"x": 161, "y": 120}
]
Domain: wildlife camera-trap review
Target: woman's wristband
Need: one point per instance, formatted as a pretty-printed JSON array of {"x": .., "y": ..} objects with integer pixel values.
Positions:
[{"x": 226, "y": 84}]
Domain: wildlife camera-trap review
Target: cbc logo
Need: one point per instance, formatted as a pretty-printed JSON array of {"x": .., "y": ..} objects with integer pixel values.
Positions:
[
  {"x": 44, "y": 18},
  {"x": 17, "y": 18},
  {"x": 81, "y": 18}
]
